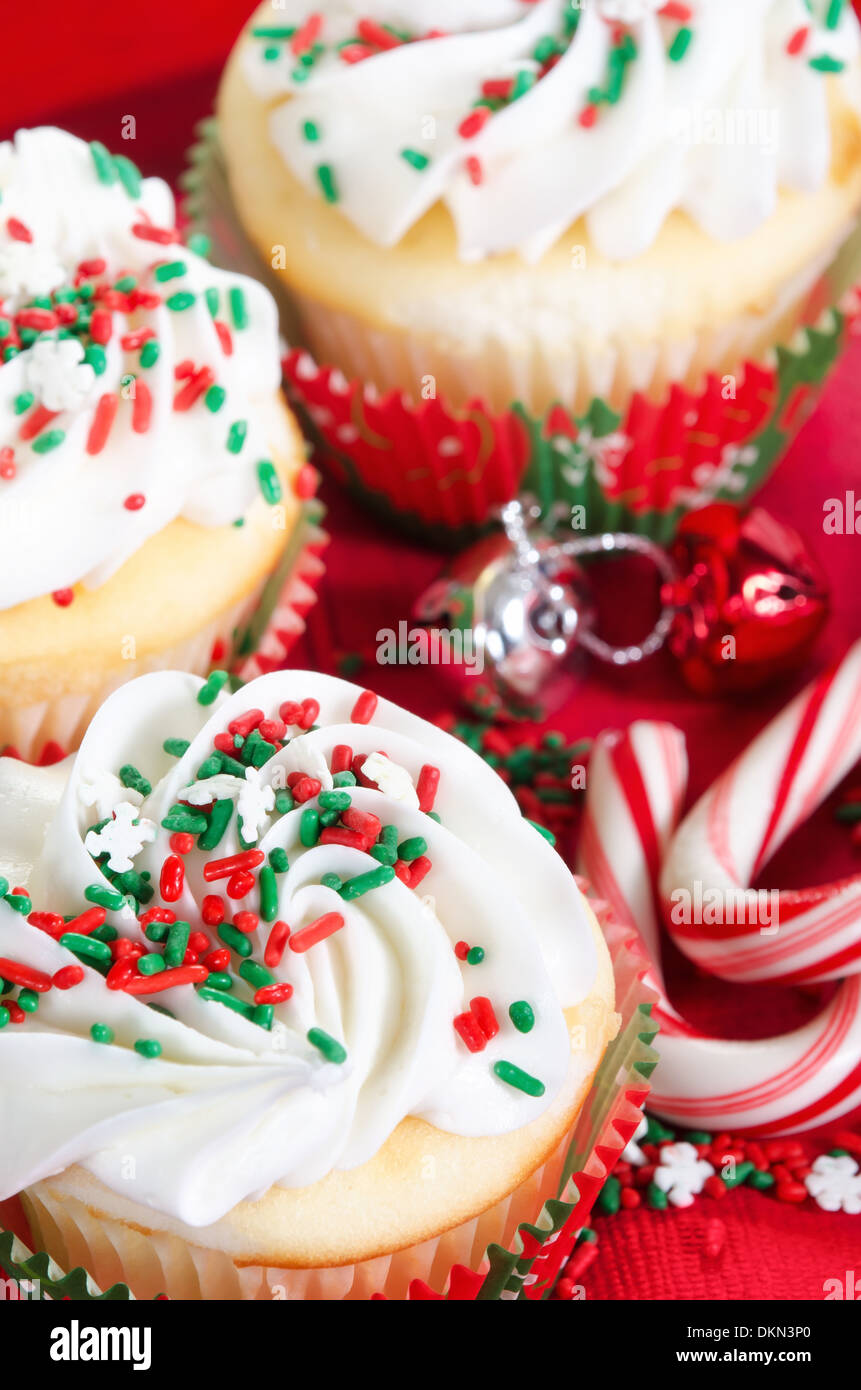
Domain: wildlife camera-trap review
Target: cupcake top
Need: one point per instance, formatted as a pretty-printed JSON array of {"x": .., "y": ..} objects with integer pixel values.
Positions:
[
  {"x": 132, "y": 372},
  {"x": 263, "y": 929},
  {"x": 523, "y": 115}
]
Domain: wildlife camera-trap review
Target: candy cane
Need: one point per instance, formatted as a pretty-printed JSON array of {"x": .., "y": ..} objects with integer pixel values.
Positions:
[{"x": 636, "y": 784}]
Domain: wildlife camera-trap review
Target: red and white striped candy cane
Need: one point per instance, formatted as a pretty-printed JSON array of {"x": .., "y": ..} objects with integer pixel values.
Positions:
[{"x": 636, "y": 786}]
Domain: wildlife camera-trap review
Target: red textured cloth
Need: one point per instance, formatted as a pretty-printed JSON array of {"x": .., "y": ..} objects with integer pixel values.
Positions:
[{"x": 161, "y": 65}]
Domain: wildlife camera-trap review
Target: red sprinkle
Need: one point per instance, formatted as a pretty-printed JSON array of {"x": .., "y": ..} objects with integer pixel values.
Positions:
[
  {"x": 20, "y": 974},
  {"x": 475, "y": 170},
  {"x": 307, "y": 482},
  {"x": 365, "y": 822},
  {"x": 239, "y": 884},
  {"x": 273, "y": 994},
  {"x": 181, "y": 842},
  {"x": 306, "y": 36},
  {"x": 461, "y": 950},
  {"x": 103, "y": 419},
  {"x": 275, "y": 945},
  {"x": 224, "y": 337},
  {"x": 243, "y": 724},
  {"x": 246, "y": 922},
  {"x": 87, "y": 922},
  {"x": 156, "y": 914},
  {"x": 223, "y": 868},
  {"x": 141, "y": 407},
  {"x": 213, "y": 909},
  {"x": 798, "y": 40},
  {"x": 306, "y": 788},
  {"x": 121, "y": 972},
  {"x": 475, "y": 122},
  {"x": 68, "y": 977},
  {"x": 217, "y": 960},
  {"x": 482, "y": 1010},
  {"x": 156, "y": 984},
  {"x": 364, "y": 708},
  {"x": 50, "y": 922},
  {"x": 426, "y": 787},
  {"x": 100, "y": 326},
  {"x": 165, "y": 236},
  {"x": 374, "y": 33},
  {"x": 198, "y": 383},
  {"x": 310, "y": 710},
  {"x": 36, "y": 422},
  {"x": 467, "y": 1027},
  {"x": 334, "y": 835},
  {"x": 342, "y": 756},
  {"x": 319, "y": 930},
  {"x": 172, "y": 878},
  {"x": 17, "y": 229},
  {"x": 134, "y": 502}
]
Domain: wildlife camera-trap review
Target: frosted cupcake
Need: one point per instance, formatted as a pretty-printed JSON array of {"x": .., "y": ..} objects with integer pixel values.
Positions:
[
  {"x": 148, "y": 464},
  {"x": 325, "y": 1011},
  {"x": 552, "y": 230}
]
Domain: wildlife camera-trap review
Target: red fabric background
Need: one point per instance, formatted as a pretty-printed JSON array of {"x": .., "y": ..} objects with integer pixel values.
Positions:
[{"x": 161, "y": 65}]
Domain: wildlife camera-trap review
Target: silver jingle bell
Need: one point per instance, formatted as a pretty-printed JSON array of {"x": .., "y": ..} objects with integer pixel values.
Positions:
[{"x": 527, "y": 603}]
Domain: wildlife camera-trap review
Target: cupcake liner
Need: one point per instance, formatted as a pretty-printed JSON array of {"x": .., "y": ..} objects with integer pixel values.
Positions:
[
  {"x": 514, "y": 1250},
  {"x": 638, "y": 437},
  {"x": 252, "y": 636}
]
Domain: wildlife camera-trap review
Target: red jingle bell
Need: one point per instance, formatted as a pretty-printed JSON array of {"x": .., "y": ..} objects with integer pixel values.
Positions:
[{"x": 751, "y": 599}]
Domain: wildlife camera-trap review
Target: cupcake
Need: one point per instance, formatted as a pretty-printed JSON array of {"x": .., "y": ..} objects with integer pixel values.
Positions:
[
  {"x": 148, "y": 463},
  {"x": 589, "y": 250},
  {"x": 295, "y": 1002}
]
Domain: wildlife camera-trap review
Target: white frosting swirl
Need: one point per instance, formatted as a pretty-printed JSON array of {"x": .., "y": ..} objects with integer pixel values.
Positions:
[
  {"x": 230, "y": 1107},
  {"x": 63, "y": 513},
  {"x": 714, "y": 114}
]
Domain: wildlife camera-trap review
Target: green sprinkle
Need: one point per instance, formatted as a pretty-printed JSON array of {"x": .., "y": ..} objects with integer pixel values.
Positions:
[
  {"x": 475, "y": 955},
  {"x": 177, "y": 944},
  {"x": 130, "y": 176},
  {"x": 4, "y": 887},
  {"x": 213, "y": 687},
  {"x": 199, "y": 243},
  {"x": 5, "y": 327},
  {"x": 523, "y": 83},
  {"x": 344, "y": 779},
  {"x": 28, "y": 1000},
  {"x": 186, "y": 822},
  {"x": 827, "y": 64},
  {"x": 215, "y": 398},
  {"x": 22, "y": 402},
  {"x": 279, "y": 861},
  {"x": 522, "y": 1016},
  {"x": 236, "y": 436},
  {"x": 542, "y": 830},
  {"x": 51, "y": 439},
  {"x": 268, "y": 893},
  {"x": 331, "y": 1049},
  {"x": 680, "y": 44},
  {"x": 126, "y": 284},
  {"x": 4, "y": 1017},
  {"x": 105, "y": 933},
  {"x": 742, "y": 1172},
  {"x": 170, "y": 270},
  {"x": 256, "y": 975},
  {"x": 263, "y": 1015},
  {"x": 610, "y": 1197},
  {"x": 103, "y": 896},
  {"x": 101, "y": 1033},
  {"x": 130, "y": 777},
  {"x": 235, "y": 939},
  {"x": 283, "y": 803},
  {"x": 520, "y": 1080},
  {"x": 152, "y": 963},
  {"x": 156, "y": 931},
  {"x": 309, "y": 827},
  {"x": 656, "y": 1198},
  {"x": 219, "y": 980},
  {"x": 416, "y": 159},
  {"x": 210, "y": 767},
  {"x": 97, "y": 358},
  {"x": 212, "y": 298},
  {"x": 216, "y": 996},
  {"x": 238, "y": 307},
  {"x": 833, "y": 14},
  {"x": 274, "y": 31},
  {"x": 176, "y": 747},
  {"x": 84, "y": 946},
  {"x": 408, "y": 850},
  {"x": 366, "y": 883},
  {"x": 310, "y": 131},
  {"x": 335, "y": 801},
  {"x": 106, "y": 170},
  {"x": 332, "y": 881},
  {"x": 269, "y": 482},
  {"x": 326, "y": 180},
  {"x": 218, "y": 821},
  {"x": 148, "y": 1047},
  {"x": 761, "y": 1181},
  {"x": 183, "y": 299}
]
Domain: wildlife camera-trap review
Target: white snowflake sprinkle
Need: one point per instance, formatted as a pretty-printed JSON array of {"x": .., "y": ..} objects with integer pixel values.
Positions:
[
  {"x": 835, "y": 1184},
  {"x": 256, "y": 801},
  {"x": 104, "y": 791},
  {"x": 25, "y": 271},
  {"x": 681, "y": 1173},
  {"x": 57, "y": 373},
  {"x": 122, "y": 838},
  {"x": 392, "y": 779}
]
